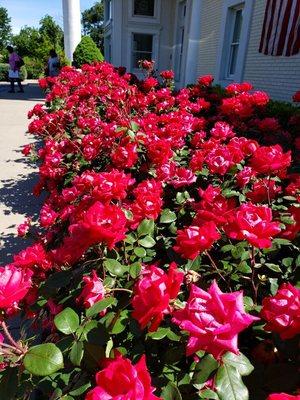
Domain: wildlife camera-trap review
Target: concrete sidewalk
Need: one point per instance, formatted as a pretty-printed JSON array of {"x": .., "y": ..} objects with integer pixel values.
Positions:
[{"x": 17, "y": 175}]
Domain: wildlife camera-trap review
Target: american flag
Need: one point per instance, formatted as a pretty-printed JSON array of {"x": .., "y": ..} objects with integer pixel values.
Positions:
[{"x": 281, "y": 28}]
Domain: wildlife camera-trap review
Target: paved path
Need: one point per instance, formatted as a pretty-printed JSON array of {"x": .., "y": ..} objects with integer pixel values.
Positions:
[{"x": 17, "y": 176}]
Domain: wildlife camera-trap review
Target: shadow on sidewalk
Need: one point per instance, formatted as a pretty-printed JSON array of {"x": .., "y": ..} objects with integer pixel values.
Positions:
[
  {"x": 17, "y": 198},
  {"x": 32, "y": 92}
]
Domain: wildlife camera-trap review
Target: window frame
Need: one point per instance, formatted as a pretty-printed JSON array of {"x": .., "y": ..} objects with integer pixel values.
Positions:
[
  {"x": 232, "y": 17},
  {"x": 144, "y": 18},
  {"x": 132, "y": 67},
  {"x": 226, "y": 33},
  {"x": 107, "y": 11}
]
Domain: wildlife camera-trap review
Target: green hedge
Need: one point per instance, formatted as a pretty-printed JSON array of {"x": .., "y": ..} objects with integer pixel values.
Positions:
[
  {"x": 86, "y": 52},
  {"x": 4, "y": 72}
]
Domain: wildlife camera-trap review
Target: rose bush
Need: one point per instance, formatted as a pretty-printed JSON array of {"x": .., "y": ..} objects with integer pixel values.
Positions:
[{"x": 165, "y": 262}]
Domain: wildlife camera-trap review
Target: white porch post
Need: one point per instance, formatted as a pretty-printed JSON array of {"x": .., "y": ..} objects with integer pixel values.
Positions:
[
  {"x": 193, "y": 42},
  {"x": 72, "y": 26}
]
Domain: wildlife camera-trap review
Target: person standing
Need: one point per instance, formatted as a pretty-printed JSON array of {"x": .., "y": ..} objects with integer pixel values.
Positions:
[
  {"x": 53, "y": 65},
  {"x": 15, "y": 63}
]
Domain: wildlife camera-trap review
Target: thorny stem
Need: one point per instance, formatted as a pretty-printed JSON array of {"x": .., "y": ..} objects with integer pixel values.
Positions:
[
  {"x": 254, "y": 286},
  {"x": 16, "y": 346},
  {"x": 215, "y": 266},
  {"x": 120, "y": 290}
]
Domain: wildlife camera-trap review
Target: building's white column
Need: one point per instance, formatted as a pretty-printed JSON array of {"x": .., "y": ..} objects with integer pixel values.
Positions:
[
  {"x": 72, "y": 26},
  {"x": 193, "y": 42}
]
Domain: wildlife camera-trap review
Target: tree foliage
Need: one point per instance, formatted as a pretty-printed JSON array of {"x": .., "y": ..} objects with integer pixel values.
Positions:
[
  {"x": 5, "y": 28},
  {"x": 87, "y": 52},
  {"x": 92, "y": 21}
]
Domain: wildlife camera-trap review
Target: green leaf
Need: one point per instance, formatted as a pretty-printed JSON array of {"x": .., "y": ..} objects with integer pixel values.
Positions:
[
  {"x": 146, "y": 227},
  {"x": 135, "y": 270},
  {"x": 229, "y": 384},
  {"x": 273, "y": 267},
  {"x": 134, "y": 126},
  {"x": 204, "y": 368},
  {"x": 43, "y": 359},
  {"x": 67, "y": 321},
  {"x": 208, "y": 394},
  {"x": 147, "y": 242},
  {"x": 76, "y": 353},
  {"x": 114, "y": 267},
  {"x": 100, "y": 306},
  {"x": 171, "y": 392},
  {"x": 240, "y": 362},
  {"x": 279, "y": 241},
  {"x": 159, "y": 334},
  {"x": 140, "y": 252},
  {"x": 273, "y": 285},
  {"x": 167, "y": 216},
  {"x": 288, "y": 261},
  {"x": 80, "y": 390}
]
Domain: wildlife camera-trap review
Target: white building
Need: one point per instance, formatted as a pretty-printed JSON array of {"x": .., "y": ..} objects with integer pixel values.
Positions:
[{"x": 199, "y": 37}]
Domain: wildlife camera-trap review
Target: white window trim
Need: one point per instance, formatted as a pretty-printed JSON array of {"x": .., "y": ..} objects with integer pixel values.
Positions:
[
  {"x": 107, "y": 5},
  {"x": 222, "y": 55},
  {"x": 155, "y": 47},
  {"x": 144, "y": 18}
]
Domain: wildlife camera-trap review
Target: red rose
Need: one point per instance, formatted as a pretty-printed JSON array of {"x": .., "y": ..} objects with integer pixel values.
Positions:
[
  {"x": 125, "y": 156},
  {"x": 296, "y": 97},
  {"x": 205, "y": 80},
  {"x": 168, "y": 75},
  {"x": 282, "y": 311},
  {"x": 120, "y": 379},
  {"x": 213, "y": 320},
  {"x": 222, "y": 131},
  {"x": 14, "y": 285},
  {"x": 270, "y": 159},
  {"x": 152, "y": 295},
  {"x": 283, "y": 396},
  {"x": 263, "y": 190},
  {"x": 213, "y": 206},
  {"x": 32, "y": 256},
  {"x": 194, "y": 240},
  {"x": 253, "y": 223}
]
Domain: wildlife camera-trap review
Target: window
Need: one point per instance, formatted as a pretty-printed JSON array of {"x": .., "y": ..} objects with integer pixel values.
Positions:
[
  {"x": 144, "y": 8},
  {"x": 235, "y": 35},
  {"x": 107, "y": 10},
  {"x": 142, "y": 47},
  {"x": 107, "y": 48},
  {"x": 179, "y": 39}
]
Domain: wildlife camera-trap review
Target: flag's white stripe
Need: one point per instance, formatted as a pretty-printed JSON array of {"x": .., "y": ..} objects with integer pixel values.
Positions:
[
  {"x": 288, "y": 33},
  {"x": 268, "y": 21},
  {"x": 280, "y": 26},
  {"x": 274, "y": 27}
]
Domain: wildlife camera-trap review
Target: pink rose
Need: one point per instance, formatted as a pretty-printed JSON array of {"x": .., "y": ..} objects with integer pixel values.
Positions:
[
  {"x": 93, "y": 290},
  {"x": 121, "y": 380},
  {"x": 282, "y": 311},
  {"x": 14, "y": 285},
  {"x": 213, "y": 320}
]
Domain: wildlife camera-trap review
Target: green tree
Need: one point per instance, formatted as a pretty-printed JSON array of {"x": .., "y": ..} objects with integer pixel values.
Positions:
[
  {"x": 5, "y": 28},
  {"x": 92, "y": 21},
  {"x": 86, "y": 52},
  {"x": 51, "y": 30}
]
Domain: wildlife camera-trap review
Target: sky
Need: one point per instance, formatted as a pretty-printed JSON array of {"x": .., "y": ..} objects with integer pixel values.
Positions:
[{"x": 29, "y": 12}]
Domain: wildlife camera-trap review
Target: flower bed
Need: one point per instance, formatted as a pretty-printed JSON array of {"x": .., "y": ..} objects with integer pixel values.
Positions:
[{"x": 167, "y": 257}]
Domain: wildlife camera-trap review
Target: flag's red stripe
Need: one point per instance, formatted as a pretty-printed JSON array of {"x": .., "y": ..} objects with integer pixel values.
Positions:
[
  {"x": 269, "y": 31},
  {"x": 284, "y": 28},
  {"x": 293, "y": 29},
  {"x": 262, "y": 39}
]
